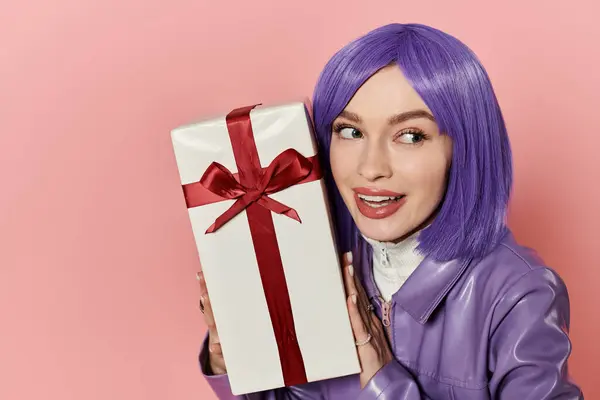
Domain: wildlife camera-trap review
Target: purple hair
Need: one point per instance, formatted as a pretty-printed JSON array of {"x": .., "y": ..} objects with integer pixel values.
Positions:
[{"x": 452, "y": 82}]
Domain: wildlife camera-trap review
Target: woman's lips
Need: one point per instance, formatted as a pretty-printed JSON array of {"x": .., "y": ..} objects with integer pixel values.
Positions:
[
  {"x": 378, "y": 203},
  {"x": 376, "y": 192}
]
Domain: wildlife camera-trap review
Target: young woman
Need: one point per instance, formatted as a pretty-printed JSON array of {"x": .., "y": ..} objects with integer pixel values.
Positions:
[{"x": 444, "y": 303}]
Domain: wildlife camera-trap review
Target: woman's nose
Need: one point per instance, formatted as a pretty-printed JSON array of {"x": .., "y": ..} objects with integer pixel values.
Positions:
[{"x": 374, "y": 162}]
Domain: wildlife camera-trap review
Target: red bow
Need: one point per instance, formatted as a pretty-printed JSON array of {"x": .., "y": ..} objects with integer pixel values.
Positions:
[{"x": 287, "y": 169}]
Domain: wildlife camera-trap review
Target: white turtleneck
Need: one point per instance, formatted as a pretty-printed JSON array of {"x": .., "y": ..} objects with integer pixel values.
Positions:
[{"x": 393, "y": 263}]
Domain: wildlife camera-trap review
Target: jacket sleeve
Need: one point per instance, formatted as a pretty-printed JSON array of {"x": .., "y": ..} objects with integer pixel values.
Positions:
[
  {"x": 529, "y": 344},
  {"x": 220, "y": 385}
]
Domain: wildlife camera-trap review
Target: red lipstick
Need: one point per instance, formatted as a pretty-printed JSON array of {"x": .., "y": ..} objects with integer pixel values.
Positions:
[{"x": 377, "y": 203}]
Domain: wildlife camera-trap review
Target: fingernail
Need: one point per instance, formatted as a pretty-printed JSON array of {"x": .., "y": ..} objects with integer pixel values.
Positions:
[
  {"x": 210, "y": 349},
  {"x": 198, "y": 276},
  {"x": 353, "y": 297},
  {"x": 351, "y": 270},
  {"x": 202, "y": 300},
  {"x": 349, "y": 257}
]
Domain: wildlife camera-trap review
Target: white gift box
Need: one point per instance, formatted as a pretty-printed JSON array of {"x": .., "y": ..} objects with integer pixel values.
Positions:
[{"x": 310, "y": 262}]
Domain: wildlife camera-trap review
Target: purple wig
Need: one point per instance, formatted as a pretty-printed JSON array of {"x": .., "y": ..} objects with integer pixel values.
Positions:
[{"x": 451, "y": 81}]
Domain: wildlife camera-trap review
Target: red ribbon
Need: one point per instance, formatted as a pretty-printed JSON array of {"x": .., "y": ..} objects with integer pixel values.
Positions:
[
  {"x": 251, "y": 187},
  {"x": 287, "y": 169}
]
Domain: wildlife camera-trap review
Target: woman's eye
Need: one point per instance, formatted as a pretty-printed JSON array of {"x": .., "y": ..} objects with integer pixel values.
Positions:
[
  {"x": 411, "y": 137},
  {"x": 349, "y": 133}
]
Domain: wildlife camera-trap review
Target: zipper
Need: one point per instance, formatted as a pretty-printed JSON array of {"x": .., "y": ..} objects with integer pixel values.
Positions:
[
  {"x": 386, "y": 306},
  {"x": 386, "y": 318}
]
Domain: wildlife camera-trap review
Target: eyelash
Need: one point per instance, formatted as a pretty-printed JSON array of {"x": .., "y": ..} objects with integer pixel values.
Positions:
[
  {"x": 337, "y": 128},
  {"x": 413, "y": 131}
]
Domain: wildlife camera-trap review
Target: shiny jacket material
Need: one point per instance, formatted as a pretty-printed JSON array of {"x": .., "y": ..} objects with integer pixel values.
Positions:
[{"x": 494, "y": 328}]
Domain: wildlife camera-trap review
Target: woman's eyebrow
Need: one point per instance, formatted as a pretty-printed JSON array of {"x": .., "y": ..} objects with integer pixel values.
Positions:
[
  {"x": 351, "y": 116},
  {"x": 394, "y": 119},
  {"x": 408, "y": 115}
]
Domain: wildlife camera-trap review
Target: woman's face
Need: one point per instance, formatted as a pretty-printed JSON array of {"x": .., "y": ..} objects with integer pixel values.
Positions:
[{"x": 388, "y": 158}]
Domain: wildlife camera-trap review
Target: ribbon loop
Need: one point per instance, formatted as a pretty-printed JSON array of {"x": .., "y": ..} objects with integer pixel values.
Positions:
[
  {"x": 221, "y": 182},
  {"x": 287, "y": 169}
]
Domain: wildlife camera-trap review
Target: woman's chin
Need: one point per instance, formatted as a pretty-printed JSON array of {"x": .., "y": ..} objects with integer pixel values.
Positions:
[{"x": 379, "y": 234}]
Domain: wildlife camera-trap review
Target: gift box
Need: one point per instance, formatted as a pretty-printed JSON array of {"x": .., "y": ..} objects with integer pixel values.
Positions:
[{"x": 258, "y": 209}]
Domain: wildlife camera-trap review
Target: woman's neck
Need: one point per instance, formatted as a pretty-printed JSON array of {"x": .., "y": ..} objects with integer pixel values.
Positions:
[{"x": 394, "y": 262}]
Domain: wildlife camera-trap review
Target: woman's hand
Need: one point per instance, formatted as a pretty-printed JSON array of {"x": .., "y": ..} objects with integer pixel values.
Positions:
[
  {"x": 217, "y": 362},
  {"x": 373, "y": 349}
]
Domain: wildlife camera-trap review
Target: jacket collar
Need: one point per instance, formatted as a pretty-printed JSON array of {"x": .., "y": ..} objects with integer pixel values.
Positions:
[{"x": 425, "y": 288}]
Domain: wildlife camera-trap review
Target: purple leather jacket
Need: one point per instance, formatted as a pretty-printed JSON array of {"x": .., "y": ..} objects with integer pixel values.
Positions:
[{"x": 494, "y": 328}]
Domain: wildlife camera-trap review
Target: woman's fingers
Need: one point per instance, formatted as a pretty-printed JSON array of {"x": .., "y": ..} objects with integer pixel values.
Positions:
[
  {"x": 215, "y": 348},
  {"x": 217, "y": 363},
  {"x": 358, "y": 325},
  {"x": 200, "y": 277},
  {"x": 347, "y": 259},
  {"x": 209, "y": 318},
  {"x": 348, "y": 274}
]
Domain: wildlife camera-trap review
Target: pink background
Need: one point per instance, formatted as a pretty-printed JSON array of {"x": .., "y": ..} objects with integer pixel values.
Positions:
[{"x": 98, "y": 297}]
